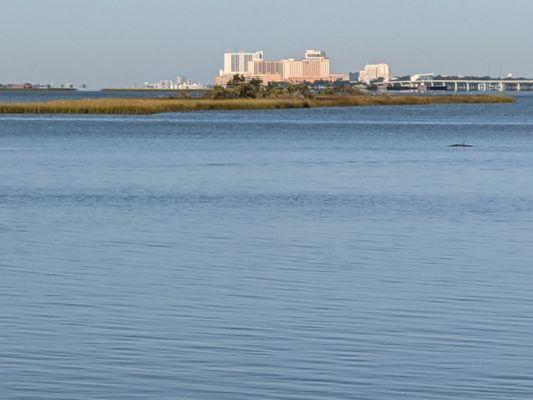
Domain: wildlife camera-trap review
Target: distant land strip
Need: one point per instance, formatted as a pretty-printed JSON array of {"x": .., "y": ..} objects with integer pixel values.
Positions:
[{"x": 156, "y": 106}]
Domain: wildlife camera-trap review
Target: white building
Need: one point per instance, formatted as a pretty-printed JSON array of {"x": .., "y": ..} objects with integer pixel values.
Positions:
[
  {"x": 161, "y": 85},
  {"x": 374, "y": 72},
  {"x": 422, "y": 77},
  {"x": 180, "y": 84},
  {"x": 315, "y": 55},
  {"x": 237, "y": 63},
  {"x": 187, "y": 85}
]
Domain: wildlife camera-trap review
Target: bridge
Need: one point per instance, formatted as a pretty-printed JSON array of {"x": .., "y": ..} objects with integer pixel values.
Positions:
[{"x": 465, "y": 85}]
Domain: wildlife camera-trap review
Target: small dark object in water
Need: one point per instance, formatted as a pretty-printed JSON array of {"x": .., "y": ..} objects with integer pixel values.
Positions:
[{"x": 461, "y": 145}]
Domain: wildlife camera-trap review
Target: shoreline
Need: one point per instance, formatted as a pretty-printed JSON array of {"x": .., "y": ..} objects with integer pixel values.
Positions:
[
  {"x": 2, "y": 90},
  {"x": 156, "y": 106},
  {"x": 141, "y": 90}
]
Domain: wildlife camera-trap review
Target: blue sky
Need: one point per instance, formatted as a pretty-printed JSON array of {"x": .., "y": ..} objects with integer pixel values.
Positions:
[{"x": 120, "y": 42}]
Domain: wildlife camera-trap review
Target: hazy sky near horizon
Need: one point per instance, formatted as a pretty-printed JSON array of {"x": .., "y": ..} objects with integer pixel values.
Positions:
[{"x": 121, "y": 42}]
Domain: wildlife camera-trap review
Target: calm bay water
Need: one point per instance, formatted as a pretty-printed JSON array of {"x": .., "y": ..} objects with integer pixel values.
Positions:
[
  {"x": 294, "y": 254},
  {"x": 22, "y": 96}
]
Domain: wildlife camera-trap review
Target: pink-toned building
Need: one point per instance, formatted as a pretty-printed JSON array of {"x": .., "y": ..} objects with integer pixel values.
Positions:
[
  {"x": 266, "y": 71},
  {"x": 315, "y": 66}
]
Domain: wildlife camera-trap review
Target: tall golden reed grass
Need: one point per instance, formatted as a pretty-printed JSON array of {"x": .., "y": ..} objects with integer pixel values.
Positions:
[{"x": 155, "y": 106}]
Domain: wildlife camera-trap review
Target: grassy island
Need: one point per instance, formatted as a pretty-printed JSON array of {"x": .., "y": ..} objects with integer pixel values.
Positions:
[
  {"x": 240, "y": 94},
  {"x": 155, "y": 106}
]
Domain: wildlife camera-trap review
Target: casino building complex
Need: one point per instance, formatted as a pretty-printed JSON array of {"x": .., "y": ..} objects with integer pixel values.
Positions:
[{"x": 315, "y": 66}]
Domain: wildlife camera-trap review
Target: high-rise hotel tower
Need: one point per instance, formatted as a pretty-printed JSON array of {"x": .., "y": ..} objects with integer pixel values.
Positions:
[{"x": 237, "y": 63}]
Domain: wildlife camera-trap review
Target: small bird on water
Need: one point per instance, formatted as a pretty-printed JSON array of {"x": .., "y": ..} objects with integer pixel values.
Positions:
[{"x": 461, "y": 145}]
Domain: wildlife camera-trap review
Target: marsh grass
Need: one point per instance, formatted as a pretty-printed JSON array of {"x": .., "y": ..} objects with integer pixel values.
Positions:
[{"x": 155, "y": 106}]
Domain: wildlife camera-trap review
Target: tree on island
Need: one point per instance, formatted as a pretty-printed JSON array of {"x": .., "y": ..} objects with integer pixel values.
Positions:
[
  {"x": 239, "y": 88},
  {"x": 236, "y": 81}
]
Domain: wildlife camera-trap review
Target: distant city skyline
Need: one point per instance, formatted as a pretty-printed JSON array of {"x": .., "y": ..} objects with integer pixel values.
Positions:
[{"x": 118, "y": 43}]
